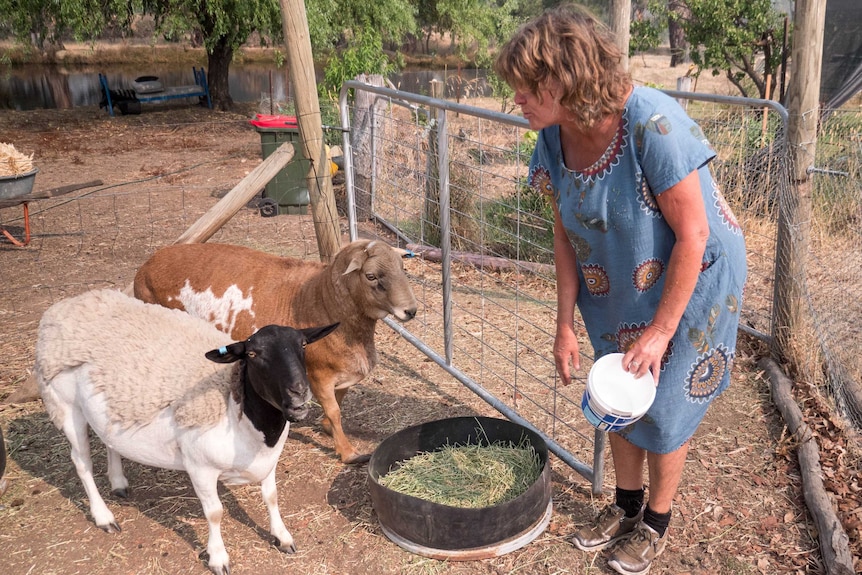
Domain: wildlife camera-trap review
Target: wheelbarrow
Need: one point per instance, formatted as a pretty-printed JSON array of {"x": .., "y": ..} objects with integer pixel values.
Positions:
[{"x": 18, "y": 190}]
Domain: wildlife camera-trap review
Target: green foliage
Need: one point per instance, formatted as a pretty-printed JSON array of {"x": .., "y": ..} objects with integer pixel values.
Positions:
[
  {"x": 46, "y": 22},
  {"x": 742, "y": 38},
  {"x": 645, "y": 32},
  {"x": 364, "y": 55},
  {"x": 527, "y": 144},
  {"x": 521, "y": 225}
]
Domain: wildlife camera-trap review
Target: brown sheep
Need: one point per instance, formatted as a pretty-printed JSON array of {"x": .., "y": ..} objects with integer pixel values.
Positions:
[{"x": 240, "y": 290}]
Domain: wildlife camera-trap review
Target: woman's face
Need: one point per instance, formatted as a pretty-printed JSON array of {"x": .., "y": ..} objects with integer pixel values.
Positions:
[{"x": 540, "y": 110}]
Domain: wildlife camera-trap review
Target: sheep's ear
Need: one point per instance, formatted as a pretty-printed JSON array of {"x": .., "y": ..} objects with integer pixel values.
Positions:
[
  {"x": 354, "y": 265},
  {"x": 227, "y": 353},
  {"x": 404, "y": 253},
  {"x": 313, "y": 334}
]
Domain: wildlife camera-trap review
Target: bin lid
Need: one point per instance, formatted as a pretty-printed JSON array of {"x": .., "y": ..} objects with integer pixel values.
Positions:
[{"x": 274, "y": 121}]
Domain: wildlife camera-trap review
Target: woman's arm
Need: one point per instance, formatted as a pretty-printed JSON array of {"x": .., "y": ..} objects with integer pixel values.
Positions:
[
  {"x": 683, "y": 209},
  {"x": 566, "y": 263}
]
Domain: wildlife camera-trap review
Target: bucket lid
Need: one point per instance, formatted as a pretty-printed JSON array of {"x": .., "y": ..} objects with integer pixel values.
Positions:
[
  {"x": 274, "y": 121},
  {"x": 618, "y": 391}
]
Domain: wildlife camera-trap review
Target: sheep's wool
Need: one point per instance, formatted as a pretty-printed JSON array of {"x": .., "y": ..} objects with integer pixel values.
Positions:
[{"x": 144, "y": 358}]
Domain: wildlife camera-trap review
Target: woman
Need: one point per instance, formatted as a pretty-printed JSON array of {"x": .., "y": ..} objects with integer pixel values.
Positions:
[{"x": 645, "y": 246}]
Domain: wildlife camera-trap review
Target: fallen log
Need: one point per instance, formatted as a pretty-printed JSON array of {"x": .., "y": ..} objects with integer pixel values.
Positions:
[
  {"x": 480, "y": 261},
  {"x": 834, "y": 543}
]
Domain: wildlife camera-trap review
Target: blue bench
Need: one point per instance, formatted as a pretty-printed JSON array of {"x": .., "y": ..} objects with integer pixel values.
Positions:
[{"x": 126, "y": 99}]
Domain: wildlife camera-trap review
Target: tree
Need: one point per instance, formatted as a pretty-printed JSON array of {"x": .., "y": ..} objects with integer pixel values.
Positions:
[
  {"x": 677, "y": 12},
  {"x": 225, "y": 26},
  {"x": 742, "y": 38}
]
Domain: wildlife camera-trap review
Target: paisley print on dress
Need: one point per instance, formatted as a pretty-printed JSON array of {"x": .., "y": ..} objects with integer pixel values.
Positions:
[
  {"x": 707, "y": 373},
  {"x": 647, "y": 274},
  {"x": 646, "y": 198},
  {"x": 596, "y": 279},
  {"x": 610, "y": 158},
  {"x": 732, "y": 303},
  {"x": 628, "y": 333},
  {"x": 540, "y": 180},
  {"x": 697, "y": 132},
  {"x": 727, "y": 215},
  {"x": 660, "y": 124}
]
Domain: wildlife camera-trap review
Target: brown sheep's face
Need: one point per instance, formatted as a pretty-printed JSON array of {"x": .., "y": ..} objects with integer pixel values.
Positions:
[{"x": 380, "y": 282}]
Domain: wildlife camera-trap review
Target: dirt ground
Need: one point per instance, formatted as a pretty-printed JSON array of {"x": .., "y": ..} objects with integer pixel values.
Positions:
[{"x": 740, "y": 509}]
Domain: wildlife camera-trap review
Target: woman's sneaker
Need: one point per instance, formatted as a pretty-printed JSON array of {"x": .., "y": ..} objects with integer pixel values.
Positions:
[
  {"x": 635, "y": 556},
  {"x": 610, "y": 526}
]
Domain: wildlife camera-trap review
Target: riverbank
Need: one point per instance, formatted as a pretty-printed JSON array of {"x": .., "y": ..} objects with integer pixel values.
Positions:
[{"x": 140, "y": 51}]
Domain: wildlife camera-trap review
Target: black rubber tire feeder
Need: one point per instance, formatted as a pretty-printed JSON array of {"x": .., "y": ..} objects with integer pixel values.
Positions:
[{"x": 455, "y": 533}]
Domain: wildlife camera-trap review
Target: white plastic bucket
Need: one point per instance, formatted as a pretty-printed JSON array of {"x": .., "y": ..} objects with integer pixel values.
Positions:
[{"x": 613, "y": 397}]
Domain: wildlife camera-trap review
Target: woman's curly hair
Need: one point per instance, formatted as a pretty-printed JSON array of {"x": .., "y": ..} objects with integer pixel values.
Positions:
[{"x": 569, "y": 46}]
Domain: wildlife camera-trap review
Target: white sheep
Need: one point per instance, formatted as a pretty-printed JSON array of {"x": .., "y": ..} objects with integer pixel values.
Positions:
[{"x": 142, "y": 378}]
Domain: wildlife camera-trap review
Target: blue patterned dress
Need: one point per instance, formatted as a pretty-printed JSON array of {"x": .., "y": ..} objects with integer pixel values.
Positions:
[{"x": 623, "y": 245}]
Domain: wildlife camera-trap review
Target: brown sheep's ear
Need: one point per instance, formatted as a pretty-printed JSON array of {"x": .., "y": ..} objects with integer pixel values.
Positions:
[
  {"x": 227, "y": 353},
  {"x": 404, "y": 253},
  {"x": 354, "y": 265}
]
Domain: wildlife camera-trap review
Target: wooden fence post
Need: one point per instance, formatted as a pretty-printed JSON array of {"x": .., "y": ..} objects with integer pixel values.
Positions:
[
  {"x": 789, "y": 309},
  {"x": 362, "y": 135},
  {"x": 319, "y": 179}
]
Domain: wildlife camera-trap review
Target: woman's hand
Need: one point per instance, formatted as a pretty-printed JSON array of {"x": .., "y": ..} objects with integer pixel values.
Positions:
[
  {"x": 566, "y": 352},
  {"x": 646, "y": 353}
]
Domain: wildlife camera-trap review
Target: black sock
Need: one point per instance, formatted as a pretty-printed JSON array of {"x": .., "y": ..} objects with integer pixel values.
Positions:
[
  {"x": 658, "y": 521},
  {"x": 630, "y": 500}
]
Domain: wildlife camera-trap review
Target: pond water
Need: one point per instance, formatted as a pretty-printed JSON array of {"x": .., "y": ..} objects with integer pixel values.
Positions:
[{"x": 35, "y": 87}]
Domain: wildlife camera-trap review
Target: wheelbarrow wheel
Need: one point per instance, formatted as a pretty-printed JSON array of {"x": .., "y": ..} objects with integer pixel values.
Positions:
[{"x": 268, "y": 207}]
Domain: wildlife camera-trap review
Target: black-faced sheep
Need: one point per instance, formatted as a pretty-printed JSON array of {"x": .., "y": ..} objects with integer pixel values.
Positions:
[
  {"x": 142, "y": 378},
  {"x": 239, "y": 290}
]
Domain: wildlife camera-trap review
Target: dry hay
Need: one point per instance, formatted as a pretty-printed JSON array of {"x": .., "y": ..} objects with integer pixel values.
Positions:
[{"x": 467, "y": 475}]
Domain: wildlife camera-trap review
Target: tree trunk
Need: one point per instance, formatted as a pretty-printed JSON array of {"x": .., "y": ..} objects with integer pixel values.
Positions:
[
  {"x": 217, "y": 74},
  {"x": 678, "y": 12},
  {"x": 620, "y": 22}
]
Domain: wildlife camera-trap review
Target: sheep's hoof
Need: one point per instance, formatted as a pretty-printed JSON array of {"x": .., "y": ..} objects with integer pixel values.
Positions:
[
  {"x": 124, "y": 493},
  {"x": 356, "y": 458},
  {"x": 217, "y": 569},
  {"x": 289, "y": 549},
  {"x": 112, "y": 527}
]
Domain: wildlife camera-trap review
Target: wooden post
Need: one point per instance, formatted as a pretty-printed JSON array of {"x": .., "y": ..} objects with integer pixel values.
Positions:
[
  {"x": 683, "y": 84},
  {"x": 368, "y": 107},
  {"x": 319, "y": 179},
  {"x": 620, "y": 22},
  {"x": 795, "y": 211},
  {"x": 437, "y": 89}
]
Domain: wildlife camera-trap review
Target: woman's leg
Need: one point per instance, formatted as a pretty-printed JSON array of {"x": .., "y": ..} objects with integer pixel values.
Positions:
[
  {"x": 628, "y": 463},
  {"x": 665, "y": 472}
]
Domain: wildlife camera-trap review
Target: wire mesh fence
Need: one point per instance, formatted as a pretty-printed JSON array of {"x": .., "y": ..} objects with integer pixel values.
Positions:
[{"x": 834, "y": 266}]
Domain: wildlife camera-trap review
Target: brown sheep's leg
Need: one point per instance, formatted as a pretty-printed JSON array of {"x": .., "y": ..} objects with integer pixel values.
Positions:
[{"x": 330, "y": 401}]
